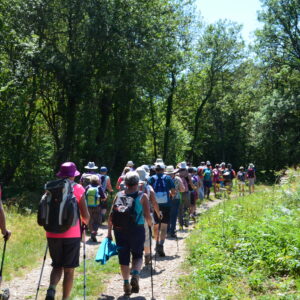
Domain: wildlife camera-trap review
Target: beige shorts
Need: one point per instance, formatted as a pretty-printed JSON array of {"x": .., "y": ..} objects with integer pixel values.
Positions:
[{"x": 251, "y": 181}]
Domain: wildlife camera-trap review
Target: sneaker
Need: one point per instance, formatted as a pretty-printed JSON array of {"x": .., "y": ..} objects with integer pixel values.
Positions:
[
  {"x": 135, "y": 288},
  {"x": 127, "y": 289},
  {"x": 147, "y": 260},
  {"x": 50, "y": 294}
]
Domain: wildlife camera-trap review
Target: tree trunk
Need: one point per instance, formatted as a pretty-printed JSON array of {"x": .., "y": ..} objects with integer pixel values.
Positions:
[{"x": 169, "y": 116}]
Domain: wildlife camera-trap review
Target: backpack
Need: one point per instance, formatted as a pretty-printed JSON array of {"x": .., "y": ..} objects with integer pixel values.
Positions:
[
  {"x": 160, "y": 189},
  {"x": 92, "y": 196},
  {"x": 227, "y": 175},
  {"x": 241, "y": 176},
  {"x": 104, "y": 182},
  {"x": 207, "y": 174},
  {"x": 123, "y": 212},
  {"x": 58, "y": 208},
  {"x": 250, "y": 173}
]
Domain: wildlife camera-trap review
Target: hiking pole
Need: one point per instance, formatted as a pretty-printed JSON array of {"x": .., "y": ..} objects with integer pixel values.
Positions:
[
  {"x": 2, "y": 261},
  {"x": 38, "y": 287},
  {"x": 151, "y": 269},
  {"x": 84, "y": 266}
]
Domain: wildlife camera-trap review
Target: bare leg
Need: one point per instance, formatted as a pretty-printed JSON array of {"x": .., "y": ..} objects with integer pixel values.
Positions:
[
  {"x": 125, "y": 272},
  {"x": 68, "y": 282},
  {"x": 55, "y": 275}
]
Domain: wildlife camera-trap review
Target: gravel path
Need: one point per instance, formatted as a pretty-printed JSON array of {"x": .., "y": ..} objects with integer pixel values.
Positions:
[{"x": 165, "y": 274}]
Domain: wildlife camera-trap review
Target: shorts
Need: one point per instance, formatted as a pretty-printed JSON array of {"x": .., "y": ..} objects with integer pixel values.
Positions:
[
  {"x": 166, "y": 215},
  {"x": 130, "y": 243},
  {"x": 103, "y": 204},
  {"x": 207, "y": 183},
  {"x": 64, "y": 252},
  {"x": 251, "y": 181}
]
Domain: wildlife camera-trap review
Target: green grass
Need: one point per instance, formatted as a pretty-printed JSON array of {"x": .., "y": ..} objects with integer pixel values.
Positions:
[
  {"x": 246, "y": 248},
  {"x": 25, "y": 248}
]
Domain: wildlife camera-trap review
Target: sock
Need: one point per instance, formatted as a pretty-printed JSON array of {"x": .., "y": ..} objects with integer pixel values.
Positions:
[
  {"x": 126, "y": 281},
  {"x": 135, "y": 272},
  {"x": 52, "y": 287}
]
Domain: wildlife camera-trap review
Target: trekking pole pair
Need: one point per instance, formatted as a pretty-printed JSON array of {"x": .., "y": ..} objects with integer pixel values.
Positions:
[
  {"x": 151, "y": 269},
  {"x": 2, "y": 261}
]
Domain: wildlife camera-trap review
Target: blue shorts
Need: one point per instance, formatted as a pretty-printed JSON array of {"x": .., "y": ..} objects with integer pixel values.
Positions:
[
  {"x": 130, "y": 242},
  {"x": 207, "y": 184}
]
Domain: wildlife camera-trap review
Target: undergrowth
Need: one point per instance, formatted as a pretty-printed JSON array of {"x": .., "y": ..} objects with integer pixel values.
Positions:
[{"x": 247, "y": 248}]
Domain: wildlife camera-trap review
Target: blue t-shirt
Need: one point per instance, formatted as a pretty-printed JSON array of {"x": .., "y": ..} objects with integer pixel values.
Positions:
[{"x": 168, "y": 184}]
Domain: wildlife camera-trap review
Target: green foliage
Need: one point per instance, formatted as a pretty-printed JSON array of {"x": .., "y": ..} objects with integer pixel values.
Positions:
[{"x": 247, "y": 247}]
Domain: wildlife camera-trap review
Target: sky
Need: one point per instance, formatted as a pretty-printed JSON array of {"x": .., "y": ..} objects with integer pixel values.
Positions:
[{"x": 240, "y": 11}]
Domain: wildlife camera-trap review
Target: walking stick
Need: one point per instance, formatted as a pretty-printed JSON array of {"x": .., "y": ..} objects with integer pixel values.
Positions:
[
  {"x": 38, "y": 287},
  {"x": 151, "y": 269},
  {"x": 2, "y": 262},
  {"x": 157, "y": 241},
  {"x": 84, "y": 265}
]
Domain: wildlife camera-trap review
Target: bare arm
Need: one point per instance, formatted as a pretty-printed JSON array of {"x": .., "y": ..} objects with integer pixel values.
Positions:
[
  {"x": 108, "y": 185},
  {"x": 109, "y": 221},
  {"x": 146, "y": 209},
  {"x": 84, "y": 212},
  {"x": 154, "y": 202},
  {"x": 6, "y": 233}
]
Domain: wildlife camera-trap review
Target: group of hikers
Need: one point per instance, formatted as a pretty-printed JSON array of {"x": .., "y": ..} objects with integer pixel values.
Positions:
[{"x": 149, "y": 202}]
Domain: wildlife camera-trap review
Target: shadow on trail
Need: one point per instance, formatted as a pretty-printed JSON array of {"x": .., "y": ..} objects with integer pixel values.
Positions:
[
  {"x": 146, "y": 272},
  {"x": 107, "y": 297},
  {"x": 169, "y": 257}
]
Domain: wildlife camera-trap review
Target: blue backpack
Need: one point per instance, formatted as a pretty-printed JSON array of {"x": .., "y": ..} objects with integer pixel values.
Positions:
[{"x": 160, "y": 189}]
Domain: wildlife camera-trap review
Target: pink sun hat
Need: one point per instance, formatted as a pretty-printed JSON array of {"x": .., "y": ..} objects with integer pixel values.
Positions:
[{"x": 68, "y": 169}]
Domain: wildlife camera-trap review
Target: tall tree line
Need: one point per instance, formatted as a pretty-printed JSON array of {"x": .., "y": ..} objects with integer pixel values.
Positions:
[{"x": 113, "y": 80}]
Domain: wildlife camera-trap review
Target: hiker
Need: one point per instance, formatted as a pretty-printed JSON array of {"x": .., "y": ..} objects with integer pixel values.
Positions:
[
  {"x": 207, "y": 179},
  {"x": 175, "y": 203},
  {"x": 130, "y": 164},
  {"x": 228, "y": 175},
  {"x": 221, "y": 178},
  {"x": 241, "y": 180},
  {"x": 129, "y": 211},
  {"x": 216, "y": 179},
  {"x": 64, "y": 247},
  {"x": 200, "y": 170},
  {"x": 106, "y": 186},
  {"x": 94, "y": 195},
  {"x": 120, "y": 183},
  {"x": 251, "y": 177},
  {"x": 91, "y": 170},
  {"x": 163, "y": 187},
  {"x": 193, "y": 193},
  {"x": 147, "y": 189},
  {"x": 184, "y": 207},
  {"x": 5, "y": 232}
]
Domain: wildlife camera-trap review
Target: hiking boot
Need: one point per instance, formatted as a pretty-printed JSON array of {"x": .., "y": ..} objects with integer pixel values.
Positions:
[
  {"x": 135, "y": 288},
  {"x": 160, "y": 250},
  {"x": 174, "y": 235},
  {"x": 50, "y": 294},
  {"x": 147, "y": 260},
  {"x": 93, "y": 237},
  {"x": 4, "y": 295},
  {"x": 127, "y": 289}
]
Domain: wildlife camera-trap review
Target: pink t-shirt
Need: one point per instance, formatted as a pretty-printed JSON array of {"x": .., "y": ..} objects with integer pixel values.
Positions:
[{"x": 74, "y": 231}]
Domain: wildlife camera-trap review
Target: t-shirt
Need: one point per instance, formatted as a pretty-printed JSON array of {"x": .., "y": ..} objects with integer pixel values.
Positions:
[
  {"x": 74, "y": 231},
  {"x": 207, "y": 175}
]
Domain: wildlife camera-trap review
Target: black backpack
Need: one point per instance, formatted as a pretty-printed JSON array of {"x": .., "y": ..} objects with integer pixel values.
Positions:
[
  {"x": 58, "y": 209},
  {"x": 123, "y": 214}
]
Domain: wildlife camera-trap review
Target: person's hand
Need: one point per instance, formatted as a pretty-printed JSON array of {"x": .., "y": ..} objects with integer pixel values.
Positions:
[
  {"x": 160, "y": 215},
  {"x": 6, "y": 235}
]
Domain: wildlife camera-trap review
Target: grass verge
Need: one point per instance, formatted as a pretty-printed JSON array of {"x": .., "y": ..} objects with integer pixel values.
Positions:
[{"x": 248, "y": 247}]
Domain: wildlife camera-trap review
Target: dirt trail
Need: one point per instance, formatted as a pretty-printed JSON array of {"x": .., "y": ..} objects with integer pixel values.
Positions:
[{"x": 167, "y": 271}]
